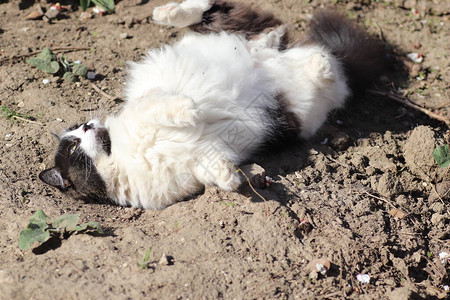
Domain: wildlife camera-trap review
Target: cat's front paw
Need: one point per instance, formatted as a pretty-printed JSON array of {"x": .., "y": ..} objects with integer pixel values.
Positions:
[
  {"x": 180, "y": 15},
  {"x": 185, "y": 113},
  {"x": 319, "y": 68},
  {"x": 165, "y": 14},
  {"x": 228, "y": 179},
  {"x": 188, "y": 118}
]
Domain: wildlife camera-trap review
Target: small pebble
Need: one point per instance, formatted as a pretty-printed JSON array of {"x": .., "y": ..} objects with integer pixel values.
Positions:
[
  {"x": 59, "y": 119},
  {"x": 124, "y": 36},
  {"x": 21, "y": 104},
  {"x": 164, "y": 261},
  {"x": 45, "y": 81},
  {"x": 444, "y": 257},
  {"x": 415, "y": 57},
  {"x": 9, "y": 137},
  {"x": 321, "y": 269},
  {"x": 91, "y": 75},
  {"x": 363, "y": 278}
]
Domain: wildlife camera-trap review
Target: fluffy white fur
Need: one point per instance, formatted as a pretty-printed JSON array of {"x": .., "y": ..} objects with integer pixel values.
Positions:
[{"x": 196, "y": 108}]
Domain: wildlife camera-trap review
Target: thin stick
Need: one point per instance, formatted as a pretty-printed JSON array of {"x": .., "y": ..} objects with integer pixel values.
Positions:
[
  {"x": 26, "y": 120},
  {"x": 385, "y": 200},
  {"x": 379, "y": 198},
  {"x": 442, "y": 105},
  {"x": 98, "y": 90},
  {"x": 37, "y": 52},
  {"x": 249, "y": 182},
  {"x": 408, "y": 103}
]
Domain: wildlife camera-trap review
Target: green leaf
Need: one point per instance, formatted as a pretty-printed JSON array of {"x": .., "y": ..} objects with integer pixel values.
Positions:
[
  {"x": 442, "y": 156},
  {"x": 90, "y": 225},
  {"x": 79, "y": 70},
  {"x": 84, "y": 4},
  {"x": 46, "y": 55},
  {"x": 43, "y": 65},
  {"x": 67, "y": 222},
  {"x": 107, "y": 5},
  {"x": 33, "y": 233},
  {"x": 69, "y": 77},
  {"x": 39, "y": 215}
]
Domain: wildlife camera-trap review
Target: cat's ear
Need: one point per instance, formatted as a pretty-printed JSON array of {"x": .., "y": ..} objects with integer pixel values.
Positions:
[{"x": 54, "y": 178}]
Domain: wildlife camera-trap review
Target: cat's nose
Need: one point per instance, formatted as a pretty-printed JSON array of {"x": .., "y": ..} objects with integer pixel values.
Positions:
[{"x": 86, "y": 127}]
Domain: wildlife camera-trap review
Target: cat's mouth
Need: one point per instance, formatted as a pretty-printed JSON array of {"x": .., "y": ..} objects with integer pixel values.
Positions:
[{"x": 87, "y": 126}]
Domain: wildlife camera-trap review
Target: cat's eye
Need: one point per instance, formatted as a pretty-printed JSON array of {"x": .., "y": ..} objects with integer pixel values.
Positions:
[{"x": 72, "y": 150}]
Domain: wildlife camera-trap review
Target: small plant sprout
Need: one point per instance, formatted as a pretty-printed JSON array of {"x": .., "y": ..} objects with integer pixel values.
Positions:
[
  {"x": 48, "y": 62},
  {"x": 10, "y": 113},
  {"x": 41, "y": 228},
  {"x": 104, "y": 5},
  {"x": 145, "y": 260}
]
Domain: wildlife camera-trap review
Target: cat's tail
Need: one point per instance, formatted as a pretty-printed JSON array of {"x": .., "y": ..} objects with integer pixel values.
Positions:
[{"x": 362, "y": 56}]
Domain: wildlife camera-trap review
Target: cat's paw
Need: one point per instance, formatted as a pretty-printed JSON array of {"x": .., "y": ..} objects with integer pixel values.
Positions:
[
  {"x": 319, "y": 67},
  {"x": 228, "y": 179},
  {"x": 180, "y": 15},
  {"x": 186, "y": 113},
  {"x": 188, "y": 118},
  {"x": 165, "y": 14},
  {"x": 272, "y": 38}
]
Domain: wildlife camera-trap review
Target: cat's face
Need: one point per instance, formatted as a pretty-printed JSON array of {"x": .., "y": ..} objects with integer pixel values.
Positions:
[{"x": 74, "y": 169}]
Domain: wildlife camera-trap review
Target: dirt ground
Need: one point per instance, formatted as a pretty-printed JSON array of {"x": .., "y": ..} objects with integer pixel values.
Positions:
[{"x": 371, "y": 157}]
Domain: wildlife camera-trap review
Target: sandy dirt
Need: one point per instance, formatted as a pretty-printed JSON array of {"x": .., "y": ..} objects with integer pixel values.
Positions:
[{"x": 371, "y": 157}]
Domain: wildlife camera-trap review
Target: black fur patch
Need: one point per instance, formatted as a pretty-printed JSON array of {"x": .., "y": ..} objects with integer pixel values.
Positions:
[
  {"x": 288, "y": 126},
  {"x": 103, "y": 138},
  {"x": 363, "y": 57},
  {"x": 238, "y": 18}
]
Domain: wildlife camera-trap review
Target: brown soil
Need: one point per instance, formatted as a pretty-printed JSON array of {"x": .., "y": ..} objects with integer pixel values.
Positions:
[{"x": 234, "y": 245}]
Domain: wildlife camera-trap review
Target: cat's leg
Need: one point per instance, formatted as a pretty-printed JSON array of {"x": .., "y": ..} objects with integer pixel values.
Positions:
[
  {"x": 273, "y": 38},
  {"x": 319, "y": 68},
  {"x": 212, "y": 168},
  {"x": 182, "y": 14},
  {"x": 322, "y": 85},
  {"x": 168, "y": 110}
]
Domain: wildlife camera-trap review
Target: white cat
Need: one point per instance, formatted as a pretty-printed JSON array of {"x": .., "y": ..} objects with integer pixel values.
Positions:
[{"x": 200, "y": 107}]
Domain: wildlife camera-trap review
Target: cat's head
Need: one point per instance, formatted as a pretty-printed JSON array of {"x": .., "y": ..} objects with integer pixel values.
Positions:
[{"x": 74, "y": 171}]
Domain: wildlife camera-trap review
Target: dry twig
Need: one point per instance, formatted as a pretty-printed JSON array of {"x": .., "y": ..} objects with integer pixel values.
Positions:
[
  {"x": 408, "y": 103},
  {"x": 26, "y": 120},
  {"x": 249, "y": 182},
  {"x": 98, "y": 90}
]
